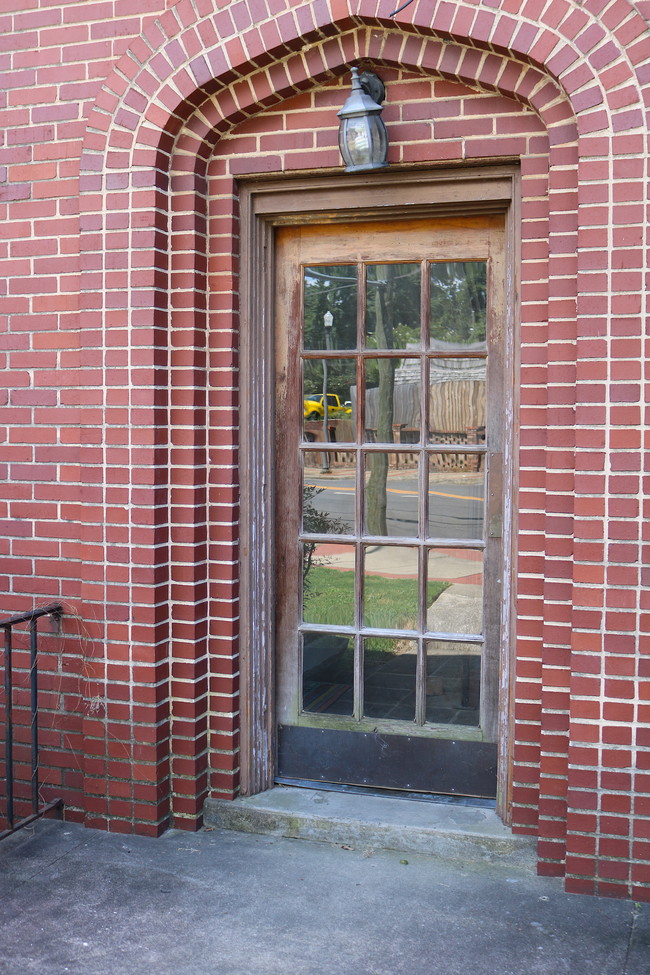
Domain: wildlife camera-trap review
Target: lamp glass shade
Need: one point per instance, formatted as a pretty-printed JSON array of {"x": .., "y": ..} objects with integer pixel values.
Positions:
[{"x": 363, "y": 142}]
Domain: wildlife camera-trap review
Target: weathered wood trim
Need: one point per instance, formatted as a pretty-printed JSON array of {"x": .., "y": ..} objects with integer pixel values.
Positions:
[
  {"x": 511, "y": 381},
  {"x": 256, "y": 477},
  {"x": 346, "y": 198}
]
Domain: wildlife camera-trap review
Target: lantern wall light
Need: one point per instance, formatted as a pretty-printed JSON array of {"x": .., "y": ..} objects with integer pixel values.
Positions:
[{"x": 363, "y": 139}]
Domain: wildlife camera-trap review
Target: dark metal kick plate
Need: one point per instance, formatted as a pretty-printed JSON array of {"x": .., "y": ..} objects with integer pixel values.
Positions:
[{"x": 436, "y": 765}]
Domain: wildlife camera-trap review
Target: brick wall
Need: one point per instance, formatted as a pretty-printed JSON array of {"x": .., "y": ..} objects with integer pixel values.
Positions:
[{"x": 126, "y": 126}]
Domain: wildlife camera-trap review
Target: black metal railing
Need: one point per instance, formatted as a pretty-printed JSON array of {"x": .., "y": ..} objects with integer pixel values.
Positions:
[{"x": 55, "y": 610}]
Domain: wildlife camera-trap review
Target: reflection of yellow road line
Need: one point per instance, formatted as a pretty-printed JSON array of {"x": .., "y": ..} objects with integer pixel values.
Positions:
[{"x": 438, "y": 494}]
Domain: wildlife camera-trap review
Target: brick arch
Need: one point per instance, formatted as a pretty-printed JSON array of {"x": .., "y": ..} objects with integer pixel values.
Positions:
[
  {"x": 179, "y": 56},
  {"x": 151, "y": 134}
]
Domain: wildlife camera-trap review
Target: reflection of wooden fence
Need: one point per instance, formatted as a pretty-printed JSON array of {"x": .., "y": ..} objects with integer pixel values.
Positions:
[
  {"x": 402, "y": 459},
  {"x": 454, "y": 405},
  {"x": 337, "y": 431},
  {"x": 456, "y": 416}
]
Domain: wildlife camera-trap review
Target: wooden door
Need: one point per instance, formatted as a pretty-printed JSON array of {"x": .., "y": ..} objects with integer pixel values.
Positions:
[{"x": 389, "y": 440}]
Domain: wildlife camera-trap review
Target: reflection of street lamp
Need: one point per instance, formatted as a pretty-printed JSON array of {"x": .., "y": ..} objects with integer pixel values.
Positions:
[{"x": 328, "y": 321}]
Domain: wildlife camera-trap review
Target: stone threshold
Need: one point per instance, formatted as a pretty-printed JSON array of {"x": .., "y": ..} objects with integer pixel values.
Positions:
[{"x": 375, "y": 822}]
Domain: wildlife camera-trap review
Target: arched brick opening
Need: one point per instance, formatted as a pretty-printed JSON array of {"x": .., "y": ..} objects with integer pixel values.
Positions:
[{"x": 163, "y": 112}]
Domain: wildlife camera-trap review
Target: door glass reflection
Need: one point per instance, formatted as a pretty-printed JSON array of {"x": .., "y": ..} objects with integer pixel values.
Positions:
[
  {"x": 393, "y": 306},
  {"x": 459, "y": 606},
  {"x": 328, "y": 416},
  {"x": 330, "y": 290},
  {"x": 453, "y": 685},
  {"x": 457, "y": 304},
  {"x": 328, "y": 583},
  {"x": 391, "y": 494},
  {"x": 457, "y": 401},
  {"x": 456, "y": 496},
  {"x": 404, "y": 420},
  {"x": 389, "y": 678},
  {"x": 392, "y": 405},
  {"x": 327, "y": 673},
  {"x": 391, "y": 587},
  {"x": 328, "y": 493}
]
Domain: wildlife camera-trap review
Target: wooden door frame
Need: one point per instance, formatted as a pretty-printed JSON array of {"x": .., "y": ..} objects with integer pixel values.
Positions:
[{"x": 265, "y": 204}]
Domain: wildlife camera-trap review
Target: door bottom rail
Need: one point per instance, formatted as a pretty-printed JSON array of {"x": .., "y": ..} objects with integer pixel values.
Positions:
[{"x": 361, "y": 790}]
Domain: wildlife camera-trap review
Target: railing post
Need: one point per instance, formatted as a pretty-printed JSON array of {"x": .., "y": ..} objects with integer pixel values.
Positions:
[
  {"x": 9, "y": 731},
  {"x": 33, "y": 685}
]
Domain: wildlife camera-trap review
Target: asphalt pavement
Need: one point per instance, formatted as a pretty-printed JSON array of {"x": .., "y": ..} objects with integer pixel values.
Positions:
[{"x": 455, "y": 502}]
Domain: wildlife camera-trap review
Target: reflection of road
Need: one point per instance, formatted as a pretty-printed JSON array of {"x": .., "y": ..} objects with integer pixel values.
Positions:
[{"x": 455, "y": 504}]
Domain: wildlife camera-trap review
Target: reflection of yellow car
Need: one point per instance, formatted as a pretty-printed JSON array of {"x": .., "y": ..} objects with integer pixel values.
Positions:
[{"x": 314, "y": 409}]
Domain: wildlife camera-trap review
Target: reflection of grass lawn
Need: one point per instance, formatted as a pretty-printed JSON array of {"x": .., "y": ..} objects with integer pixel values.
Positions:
[{"x": 389, "y": 603}]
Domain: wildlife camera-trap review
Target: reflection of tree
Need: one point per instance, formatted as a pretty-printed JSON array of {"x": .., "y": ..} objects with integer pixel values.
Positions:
[
  {"x": 332, "y": 289},
  {"x": 384, "y": 304},
  {"x": 315, "y": 522},
  {"x": 458, "y": 301},
  {"x": 405, "y": 311}
]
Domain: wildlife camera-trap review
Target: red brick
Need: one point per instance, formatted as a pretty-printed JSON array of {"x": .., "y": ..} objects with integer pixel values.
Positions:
[{"x": 559, "y": 505}]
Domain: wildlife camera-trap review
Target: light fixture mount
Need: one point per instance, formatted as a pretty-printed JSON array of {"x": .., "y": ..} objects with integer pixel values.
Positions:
[{"x": 373, "y": 86}]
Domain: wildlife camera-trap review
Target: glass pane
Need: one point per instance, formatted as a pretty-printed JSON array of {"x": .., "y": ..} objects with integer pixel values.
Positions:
[
  {"x": 330, "y": 290},
  {"x": 456, "y": 496},
  {"x": 337, "y": 378},
  {"x": 328, "y": 499},
  {"x": 393, "y": 306},
  {"x": 391, "y": 494},
  {"x": 453, "y": 686},
  {"x": 393, "y": 394},
  {"x": 391, "y": 587},
  {"x": 328, "y": 673},
  {"x": 389, "y": 678},
  {"x": 457, "y": 305},
  {"x": 457, "y": 401},
  {"x": 458, "y": 608},
  {"x": 328, "y": 584}
]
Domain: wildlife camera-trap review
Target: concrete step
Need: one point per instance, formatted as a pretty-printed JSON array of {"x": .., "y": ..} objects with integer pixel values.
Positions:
[{"x": 375, "y": 822}]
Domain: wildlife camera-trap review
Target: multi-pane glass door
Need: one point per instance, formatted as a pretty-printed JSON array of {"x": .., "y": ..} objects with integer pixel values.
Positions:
[{"x": 389, "y": 435}]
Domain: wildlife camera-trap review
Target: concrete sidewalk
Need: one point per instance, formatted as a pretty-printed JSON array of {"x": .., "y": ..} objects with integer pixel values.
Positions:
[{"x": 224, "y": 903}]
